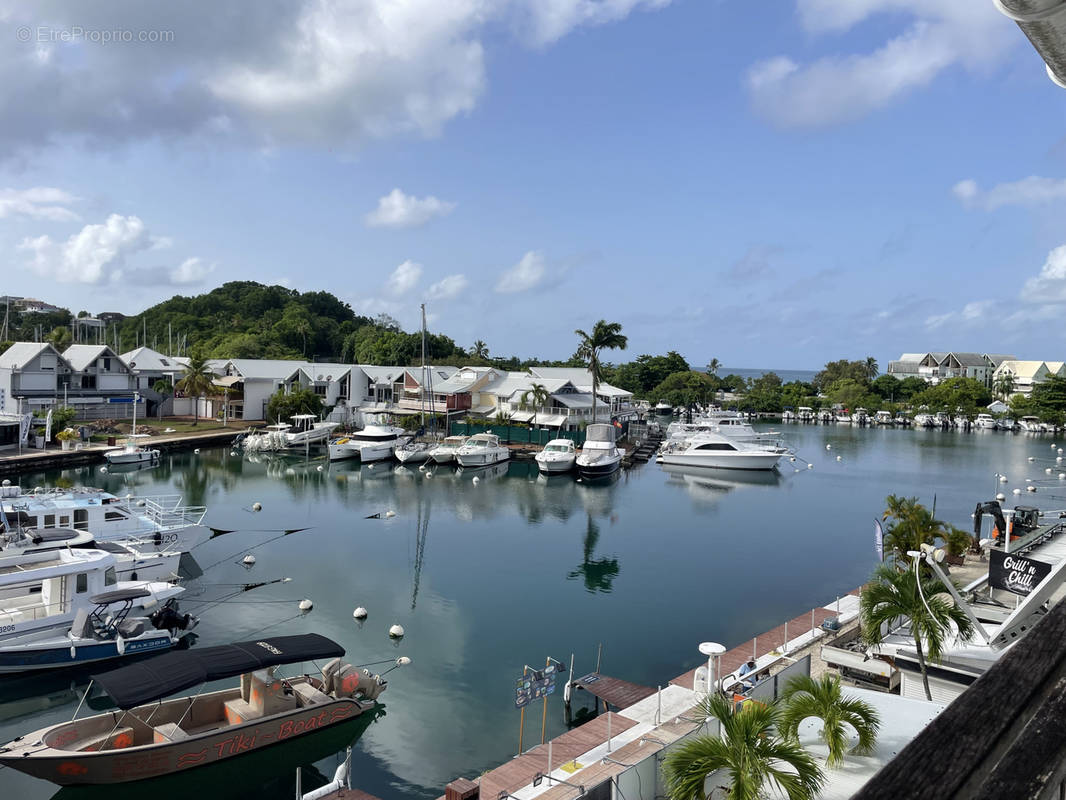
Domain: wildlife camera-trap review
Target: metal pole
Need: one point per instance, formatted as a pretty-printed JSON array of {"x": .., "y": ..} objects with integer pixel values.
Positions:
[
  {"x": 754, "y": 647},
  {"x": 299, "y": 787},
  {"x": 549, "y": 772},
  {"x": 608, "y": 730},
  {"x": 521, "y": 719},
  {"x": 813, "y": 628},
  {"x": 599, "y": 652},
  {"x": 544, "y": 714},
  {"x": 784, "y": 647},
  {"x": 659, "y": 710}
]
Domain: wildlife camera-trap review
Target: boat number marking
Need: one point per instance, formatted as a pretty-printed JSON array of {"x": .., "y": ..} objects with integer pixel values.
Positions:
[{"x": 6, "y": 628}]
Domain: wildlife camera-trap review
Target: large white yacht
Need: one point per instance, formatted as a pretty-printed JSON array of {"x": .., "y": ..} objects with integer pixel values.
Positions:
[
  {"x": 444, "y": 453},
  {"x": 481, "y": 450},
  {"x": 373, "y": 443},
  {"x": 599, "y": 455},
  {"x": 557, "y": 456},
  {"x": 20, "y": 547},
  {"x": 150, "y": 523},
  {"x": 715, "y": 450}
]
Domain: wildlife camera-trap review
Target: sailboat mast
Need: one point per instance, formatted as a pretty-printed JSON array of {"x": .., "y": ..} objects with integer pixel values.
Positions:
[{"x": 422, "y": 403}]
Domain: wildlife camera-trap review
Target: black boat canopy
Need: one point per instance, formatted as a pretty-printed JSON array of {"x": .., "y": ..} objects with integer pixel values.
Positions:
[
  {"x": 119, "y": 596},
  {"x": 171, "y": 672}
]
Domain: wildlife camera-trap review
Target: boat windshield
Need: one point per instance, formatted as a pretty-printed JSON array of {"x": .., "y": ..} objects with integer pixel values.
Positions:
[
  {"x": 556, "y": 448},
  {"x": 110, "y": 578}
]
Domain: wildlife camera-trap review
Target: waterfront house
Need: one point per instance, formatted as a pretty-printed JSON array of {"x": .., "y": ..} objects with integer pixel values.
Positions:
[
  {"x": 934, "y": 367},
  {"x": 102, "y": 384},
  {"x": 1025, "y": 374},
  {"x": 32, "y": 376},
  {"x": 249, "y": 383},
  {"x": 618, "y": 401},
  {"x": 149, "y": 366}
]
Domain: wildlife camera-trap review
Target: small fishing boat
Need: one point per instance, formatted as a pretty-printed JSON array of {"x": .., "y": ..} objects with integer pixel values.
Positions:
[
  {"x": 132, "y": 453},
  {"x": 307, "y": 430},
  {"x": 599, "y": 456},
  {"x": 663, "y": 408},
  {"x": 482, "y": 450},
  {"x": 444, "y": 453},
  {"x": 884, "y": 418},
  {"x": 558, "y": 455},
  {"x": 148, "y": 737}
]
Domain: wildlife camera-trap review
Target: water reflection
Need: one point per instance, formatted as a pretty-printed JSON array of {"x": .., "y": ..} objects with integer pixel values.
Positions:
[
  {"x": 597, "y": 573},
  {"x": 708, "y": 486}
]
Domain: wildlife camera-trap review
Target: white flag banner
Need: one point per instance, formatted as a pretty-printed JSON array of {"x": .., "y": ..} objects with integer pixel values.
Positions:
[
  {"x": 48, "y": 427},
  {"x": 879, "y": 540},
  {"x": 24, "y": 426}
]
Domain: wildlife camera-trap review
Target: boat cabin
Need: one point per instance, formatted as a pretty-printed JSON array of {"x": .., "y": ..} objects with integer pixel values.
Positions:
[{"x": 52, "y": 586}]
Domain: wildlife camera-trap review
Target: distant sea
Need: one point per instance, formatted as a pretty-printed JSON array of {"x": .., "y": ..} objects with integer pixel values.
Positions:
[{"x": 786, "y": 375}]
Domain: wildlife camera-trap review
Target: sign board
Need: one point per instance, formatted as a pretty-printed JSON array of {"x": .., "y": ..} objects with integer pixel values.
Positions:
[
  {"x": 1014, "y": 573},
  {"x": 120, "y": 399},
  {"x": 529, "y": 688}
]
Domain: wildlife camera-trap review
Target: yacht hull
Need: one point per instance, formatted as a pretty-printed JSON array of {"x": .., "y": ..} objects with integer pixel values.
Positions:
[
  {"x": 480, "y": 459},
  {"x": 340, "y": 452},
  {"x": 131, "y": 456},
  {"x": 443, "y": 458},
  {"x": 721, "y": 460},
  {"x": 599, "y": 469},
  {"x": 555, "y": 466},
  {"x": 28, "y": 658}
]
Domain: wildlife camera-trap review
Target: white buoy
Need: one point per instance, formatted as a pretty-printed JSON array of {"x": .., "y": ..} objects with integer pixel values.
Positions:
[
  {"x": 1002, "y": 478},
  {"x": 319, "y": 467},
  {"x": 197, "y": 451},
  {"x": 370, "y": 466},
  {"x": 359, "y": 613},
  {"x": 1047, "y": 471},
  {"x": 248, "y": 560},
  {"x": 429, "y": 475},
  {"x": 810, "y": 466},
  {"x": 1060, "y": 451},
  {"x": 1031, "y": 459},
  {"x": 257, "y": 506},
  {"x": 396, "y": 631},
  {"x": 1016, "y": 491},
  {"x": 390, "y": 514},
  {"x": 1001, "y": 497},
  {"x": 1030, "y": 488},
  {"x": 792, "y": 458},
  {"x": 840, "y": 458},
  {"x": 103, "y": 470},
  {"x": 403, "y": 661},
  {"x": 476, "y": 480},
  {"x": 1058, "y": 460},
  {"x": 421, "y": 467},
  {"x": 1062, "y": 476},
  {"x": 233, "y": 452},
  {"x": 829, "y": 447},
  {"x": 306, "y": 605}
]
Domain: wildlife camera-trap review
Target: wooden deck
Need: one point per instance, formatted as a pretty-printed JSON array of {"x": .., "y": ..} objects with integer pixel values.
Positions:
[
  {"x": 519, "y": 772},
  {"x": 614, "y": 691}
]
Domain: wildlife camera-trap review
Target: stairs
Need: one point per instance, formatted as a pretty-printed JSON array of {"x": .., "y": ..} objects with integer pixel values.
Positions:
[{"x": 644, "y": 449}]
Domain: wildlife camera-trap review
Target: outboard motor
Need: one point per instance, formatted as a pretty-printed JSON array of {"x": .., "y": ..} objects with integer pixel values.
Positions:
[
  {"x": 343, "y": 680},
  {"x": 168, "y": 618}
]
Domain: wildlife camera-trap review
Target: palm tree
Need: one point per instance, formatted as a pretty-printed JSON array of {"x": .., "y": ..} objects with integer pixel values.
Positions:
[
  {"x": 534, "y": 397},
  {"x": 713, "y": 366},
  {"x": 303, "y": 327},
  {"x": 919, "y": 598},
  {"x": 480, "y": 350},
  {"x": 1005, "y": 385},
  {"x": 196, "y": 381},
  {"x": 871, "y": 367},
  {"x": 605, "y": 336},
  {"x": 59, "y": 338},
  {"x": 914, "y": 525},
  {"x": 804, "y": 697},
  {"x": 753, "y": 758}
]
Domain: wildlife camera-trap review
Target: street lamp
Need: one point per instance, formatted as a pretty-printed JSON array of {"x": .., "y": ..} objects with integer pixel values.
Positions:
[{"x": 714, "y": 652}]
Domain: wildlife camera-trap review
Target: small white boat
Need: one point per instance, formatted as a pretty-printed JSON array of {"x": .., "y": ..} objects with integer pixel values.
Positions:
[
  {"x": 843, "y": 418},
  {"x": 307, "y": 430},
  {"x": 557, "y": 456},
  {"x": 132, "y": 453},
  {"x": 883, "y": 418},
  {"x": 1005, "y": 424},
  {"x": 663, "y": 408},
  {"x": 986, "y": 421},
  {"x": 715, "y": 450},
  {"x": 805, "y": 414},
  {"x": 599, "y": 456},
  {"x": 444, "y": 453},
  {"x": 1031, "y": 424},
  {"x": 923, "y": 420},
  {"x": 412, "y": 452},
  {"x": 482, "y": 450}
]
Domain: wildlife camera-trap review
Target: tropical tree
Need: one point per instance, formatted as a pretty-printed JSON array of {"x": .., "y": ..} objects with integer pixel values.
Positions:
[
  {"x": 920, "y": 598},
  {"x": 605, "y": 336},
  {"x": 60, "y": 337},
  {"x": 534, "y": 397},
  {"x": 911, "y": 525},
  {"x": 285, "y": 405},
  {"x": 480, "y": 350},
  {"x": 1005, "y": 385},
  {"x": 196, "y": 381},
  {"x": 713, "y": 366},
  {"x": 755, "y": 760},
  {"x": 871, "y": 368},
  {"x": 804, "y": 697}
]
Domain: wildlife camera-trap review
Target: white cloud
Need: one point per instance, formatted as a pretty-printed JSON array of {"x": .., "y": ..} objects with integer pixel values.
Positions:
[
  {"x": 1049, "y": 286},
  {"x": 525, "y": 275},
  {"x": 191, "y": 271},
  {"x": 92, "y": 255},
  {"x": 838, "y": 88},
  {"x": 40, "y": 202},
  {"x": 404, "y": 278},
  {"x": 399, "y": 210},
  {"x": 447, "y": 288},
  {"x": 331, "y": 73},
  {"x": 1031, "y": 191}
]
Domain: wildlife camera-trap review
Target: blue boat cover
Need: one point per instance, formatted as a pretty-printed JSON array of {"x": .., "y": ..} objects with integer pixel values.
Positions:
[{"x": 171, "y": 672}]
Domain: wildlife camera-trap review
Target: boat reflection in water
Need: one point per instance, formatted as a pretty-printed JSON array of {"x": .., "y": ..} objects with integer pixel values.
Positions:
[
  {"x": 259, "y": 774},
  {"x": 710, "y": 484}
]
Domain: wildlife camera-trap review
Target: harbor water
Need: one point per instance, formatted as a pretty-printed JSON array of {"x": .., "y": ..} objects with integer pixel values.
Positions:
[{"x": 489, "y": 576}]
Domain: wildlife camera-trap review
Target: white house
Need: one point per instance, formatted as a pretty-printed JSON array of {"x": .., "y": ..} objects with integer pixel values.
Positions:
[
  {"x": 934, "y": 367},
  {"x": 1024, "y": 374},
  {"x": 32, "y": 377},
  {"x": 102, "y": 383}
]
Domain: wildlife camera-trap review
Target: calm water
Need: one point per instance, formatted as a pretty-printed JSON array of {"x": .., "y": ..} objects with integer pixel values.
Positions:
[{"x": 488, "y": 577}]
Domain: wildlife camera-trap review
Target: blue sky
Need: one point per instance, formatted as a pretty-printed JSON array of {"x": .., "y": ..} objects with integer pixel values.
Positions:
[{"x": 820, "y": 179}]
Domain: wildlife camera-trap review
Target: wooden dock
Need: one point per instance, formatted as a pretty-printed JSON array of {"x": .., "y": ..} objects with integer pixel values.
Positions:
[{"x": 613, "y": 691}]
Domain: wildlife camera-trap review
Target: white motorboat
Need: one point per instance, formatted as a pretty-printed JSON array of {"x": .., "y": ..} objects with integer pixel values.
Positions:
[
  {"x": 986, "y": 421},
  {"x": 788, "y": 415},
  {"x": 884, "y": 418},
  {"x": 842, "y": 418},
  {"x": 132, "y": 453},
  {"x": 307, "y": 430},
  {"x": 663, "y": 408},
  {"x": 1006, "y": 424},
  {"x": 557, "y": 456},
  {"x": 373, "y": 443},
  {"x": 715, "y": 450},
  {"x": 412, "y": 452},
  {"x": 1031, "y": 424},
  {"x": 444, "y": 453},
  {"x": 599, "y": 455},
  {"x": 271, "y": 439},
  {"x": 805, "y": 414},
  {"x": 22, "y": 547},
  {"x": 861, "y": 416},
  {"x": 482, "y": 450},
  {"x": 923, "y": 420},
  {"x": 149, "y": 523}
]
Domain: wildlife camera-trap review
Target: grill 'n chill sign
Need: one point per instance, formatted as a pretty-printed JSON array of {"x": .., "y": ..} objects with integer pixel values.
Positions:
[{"x": 1014, "y": 573}]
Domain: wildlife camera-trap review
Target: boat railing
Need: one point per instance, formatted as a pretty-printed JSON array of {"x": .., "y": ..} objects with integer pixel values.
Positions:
[{"x": 165, "y": 511}]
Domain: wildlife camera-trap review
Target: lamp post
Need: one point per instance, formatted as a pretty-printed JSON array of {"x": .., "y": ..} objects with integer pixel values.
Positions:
[{"x": 714, "y": 652}]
